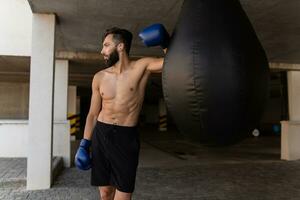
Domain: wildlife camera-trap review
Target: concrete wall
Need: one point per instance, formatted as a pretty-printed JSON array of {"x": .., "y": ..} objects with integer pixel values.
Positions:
[
  {"x": 14, "y": 139},
  {"x": 13, "y": 134},
  {"x": 14, "y": 100},
  {"x": 16, "y": 23}
]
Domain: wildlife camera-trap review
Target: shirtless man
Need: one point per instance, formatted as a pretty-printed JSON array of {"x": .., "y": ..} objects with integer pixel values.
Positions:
[{"x": 111, "y": 124}]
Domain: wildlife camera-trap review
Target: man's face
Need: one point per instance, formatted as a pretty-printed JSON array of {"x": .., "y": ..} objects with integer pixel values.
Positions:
[{"x": 109, "y": 51}]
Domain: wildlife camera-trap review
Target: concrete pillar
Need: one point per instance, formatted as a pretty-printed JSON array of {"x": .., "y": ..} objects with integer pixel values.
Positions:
[
  {"x": 294, "y": 95},
  {"x": 290, "y": 130},
  {"x": 61, "y": 129},
  {"x": 72, "y": 94},
  {"x": 41, "y": 102},
  {"x": 61, "y": 89}
]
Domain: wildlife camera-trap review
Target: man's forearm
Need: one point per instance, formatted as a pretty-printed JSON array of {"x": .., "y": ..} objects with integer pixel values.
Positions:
[{"x": 90, "y": 123}]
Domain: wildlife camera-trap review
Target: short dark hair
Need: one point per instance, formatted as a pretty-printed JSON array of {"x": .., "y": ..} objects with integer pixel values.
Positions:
[{"x": 120, "y": 35}]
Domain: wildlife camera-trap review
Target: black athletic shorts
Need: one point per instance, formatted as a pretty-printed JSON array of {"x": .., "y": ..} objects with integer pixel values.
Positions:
[{"x": 115, "y": 156}]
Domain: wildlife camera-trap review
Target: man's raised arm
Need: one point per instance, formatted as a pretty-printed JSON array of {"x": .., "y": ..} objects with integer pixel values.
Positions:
[{"x": 154, "y": 35}]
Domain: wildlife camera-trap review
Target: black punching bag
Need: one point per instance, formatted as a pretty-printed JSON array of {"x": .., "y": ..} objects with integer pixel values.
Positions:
[{"x": 215, "y": 76}]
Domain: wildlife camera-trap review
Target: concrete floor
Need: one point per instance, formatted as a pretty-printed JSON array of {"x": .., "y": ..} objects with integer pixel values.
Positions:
[{"x": 172, "y": 168}]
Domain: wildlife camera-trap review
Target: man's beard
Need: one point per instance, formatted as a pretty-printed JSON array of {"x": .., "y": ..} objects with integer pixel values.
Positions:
[{"x": 112, "y": 59}]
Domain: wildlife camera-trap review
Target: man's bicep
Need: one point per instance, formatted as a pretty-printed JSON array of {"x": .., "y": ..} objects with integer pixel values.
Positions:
[
  {"x": 96, "y": 100},
  {"x": 155, "y": 65}
]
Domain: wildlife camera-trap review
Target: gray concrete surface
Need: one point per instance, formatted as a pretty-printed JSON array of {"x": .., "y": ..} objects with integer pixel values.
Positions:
[
  {"x": 82, "y": 22},
  {"x": 171, "y": 168}
]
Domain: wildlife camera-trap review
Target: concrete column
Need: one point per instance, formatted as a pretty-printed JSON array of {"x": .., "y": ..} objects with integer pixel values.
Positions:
[
  {"x": 61, "y": 129},
  {"x": 294, "y": 95},
  {"x": 41, "y": 102},
  {"x": 61, "y": 89},
  {"x": 72, "y": 94},
  {"x": 290, "y": 130}
]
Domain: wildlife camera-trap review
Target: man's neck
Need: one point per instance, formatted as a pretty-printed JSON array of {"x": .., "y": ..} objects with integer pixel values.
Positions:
[{"x": 121, "y": 65}]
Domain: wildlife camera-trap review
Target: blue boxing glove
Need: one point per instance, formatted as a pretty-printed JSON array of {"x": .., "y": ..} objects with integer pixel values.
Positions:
[
  {"x": 82, "y": 157},
  {"x": 155, "y": 35}
]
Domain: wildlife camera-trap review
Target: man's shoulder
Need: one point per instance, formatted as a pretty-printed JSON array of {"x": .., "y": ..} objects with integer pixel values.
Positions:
[
  {"x": 99, "y": 75},
  {"x": 102, "y": 72}
]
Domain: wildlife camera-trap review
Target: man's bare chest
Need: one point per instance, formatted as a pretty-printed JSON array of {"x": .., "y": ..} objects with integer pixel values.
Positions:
[{"x": 113, "y": 86}]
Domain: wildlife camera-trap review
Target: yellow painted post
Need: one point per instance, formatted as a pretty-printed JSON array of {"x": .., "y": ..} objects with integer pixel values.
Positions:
[
  {"x": 74, "y": 123},
  {"x": 162, "y": 115}
]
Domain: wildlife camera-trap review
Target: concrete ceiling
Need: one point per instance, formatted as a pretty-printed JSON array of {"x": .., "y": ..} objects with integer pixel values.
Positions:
[{"x": 81, "y": 23}]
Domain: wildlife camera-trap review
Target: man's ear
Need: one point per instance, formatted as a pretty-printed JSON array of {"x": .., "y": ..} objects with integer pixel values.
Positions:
[{"x": 121, "y": 46}]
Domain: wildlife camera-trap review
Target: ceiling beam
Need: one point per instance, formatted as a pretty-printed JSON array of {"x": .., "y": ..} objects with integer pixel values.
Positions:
[
  {"x": 284, "y": 66},
  {"x": 71, "y": 55}
]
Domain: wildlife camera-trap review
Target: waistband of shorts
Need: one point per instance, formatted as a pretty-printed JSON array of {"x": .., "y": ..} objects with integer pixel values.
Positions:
[{"x": 116, "y": 126}]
